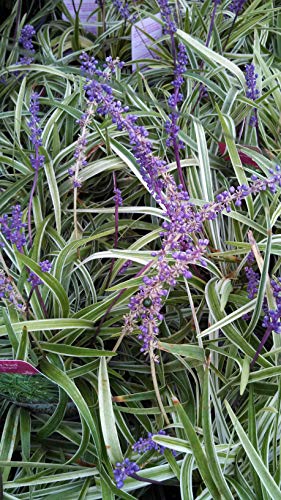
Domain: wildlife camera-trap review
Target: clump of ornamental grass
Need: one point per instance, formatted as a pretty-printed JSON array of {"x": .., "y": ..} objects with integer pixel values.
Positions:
[{"x": 139, "y": 267}]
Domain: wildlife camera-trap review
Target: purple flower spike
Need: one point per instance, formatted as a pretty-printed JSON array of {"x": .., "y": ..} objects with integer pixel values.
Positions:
[
  {"x": 123, "y": 470},
  {"x": 166, "y": 14},
  {"x": 236, "y": 6},
  {"x": 272, "y": 318},
  {"x": 147, "y": 444},
  {"x": 7, "y": 292},
  {"x": 125, "y": 266},
  {"x": 150, "y": 166},
  {"x": 118, "y": 197},
  {"x": 33, "y": 279},
  {"x": 12, "y": 227},
  {"x": 252, "y": 92},
  {"x": 180, "y": 63},
  {"x": 25, "y": 40},
  {"x": 252, "y": 276},
  {"x": 171, "y": 125},
  {"x": 251, "y": 81},
  {"x": 123, "y": 8},
  {"x": 182, "y": 219},
  {"x": 88, "y": 64},
  {"x": 37, "y": 160}
]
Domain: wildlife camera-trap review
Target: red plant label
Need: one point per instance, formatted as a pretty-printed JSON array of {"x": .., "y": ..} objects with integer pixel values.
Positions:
[{"x": 17, "y": 366}]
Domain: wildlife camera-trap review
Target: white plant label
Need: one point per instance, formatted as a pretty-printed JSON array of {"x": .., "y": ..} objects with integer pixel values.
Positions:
[
  {"x": 141, "y": 43},
  {"x": 87, "y": 18}
]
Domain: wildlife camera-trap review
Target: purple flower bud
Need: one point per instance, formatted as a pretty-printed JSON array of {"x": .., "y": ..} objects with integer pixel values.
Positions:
[
  {"x": 123, "y": 470},
  {"x": 34, "y": 280},
  {"x": 88, "y": 64},
  {"x": 46, "y": 266},
  {"x": 76, "y": 184}
]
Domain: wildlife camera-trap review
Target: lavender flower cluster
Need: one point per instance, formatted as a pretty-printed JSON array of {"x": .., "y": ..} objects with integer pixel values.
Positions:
[
  {"x": 101, "y": 94},
  {"x": 25, "y": 40},
  {"x": 7, "y": 292},
  {"x": 252, "y": 276},
  {"x": 89, "y": 68},
  {"x": 128, "y": 468},
  {"x": 124, "y": 469},
  {"x": 36, "y": 159},
  {"x": 252, "y": 91},
  {"x": 236, "y": 6},
  {"x": 147, "y": 444},
  {"x": 251, "y": 80},
  {"x": 125, "y": 266},
  {"x": 171, "y": 125},
  {"x": 80, "y": 150},
  {"x": 33, "y": 279},
  {"x": 12, "y": 228},
  {"x": 123, "y": 7},
  {"x": 177, "y": 243},
  {"x": 272, "y": 318},
  {"x": 118, "y": 197},
  {"x": 180, "y": 63},
  {"x": 170, "y": 26}
]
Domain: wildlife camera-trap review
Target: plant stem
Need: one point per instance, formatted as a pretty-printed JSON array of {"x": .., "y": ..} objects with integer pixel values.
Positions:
[
  {"x": 212, "y": 23},
  {"x": 30, "y": 203},
  {"x": 174, "y": 110},
  {"x": 259, "y": 349},
  {"x": 194, "y": 315},
  {"x": 86, "y": 118},
  {"x": 155, "y": 384},
  {"x": 75, "y": 222},
  {"x": 144, "y": 479},
  {"x": 41, "y": 302},
  {"x": 116, "y": 224}
]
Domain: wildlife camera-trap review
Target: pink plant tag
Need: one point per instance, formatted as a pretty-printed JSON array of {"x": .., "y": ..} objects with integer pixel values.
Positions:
[
  {"x": 17, "y": 366},
  {"x": 21, "y": 383},
  {"x": 141, "y": 43},
  {"x": 87, "y": 20}
]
